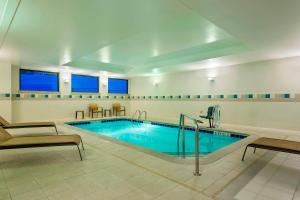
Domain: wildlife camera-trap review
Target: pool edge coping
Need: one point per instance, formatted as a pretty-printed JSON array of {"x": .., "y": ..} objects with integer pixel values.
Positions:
[{"x": 204, "y": 160}]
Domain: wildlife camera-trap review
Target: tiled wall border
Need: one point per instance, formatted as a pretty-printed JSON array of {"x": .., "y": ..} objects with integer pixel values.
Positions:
[
  {"x": 267, "y": 97},
  {"x": 5, "y": 96},
  {"x": 39, "y": 96}
]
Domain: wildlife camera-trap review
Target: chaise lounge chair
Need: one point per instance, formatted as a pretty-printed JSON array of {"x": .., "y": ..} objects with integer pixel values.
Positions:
[
  {"x": 275, "y": 145},
  {"x": 5, "y": 124},
  {"x": 7, "y": 141}
]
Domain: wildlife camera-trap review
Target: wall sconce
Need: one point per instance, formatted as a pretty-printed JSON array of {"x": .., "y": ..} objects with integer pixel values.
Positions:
[
  {"x": 211, "y": 78},
  {"x": 66, "y": 80},
  {"x": 155, "y": 83}
]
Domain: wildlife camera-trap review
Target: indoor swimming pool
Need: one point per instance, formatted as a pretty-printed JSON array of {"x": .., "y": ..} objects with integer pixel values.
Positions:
[{"x": 159, "y": 137}]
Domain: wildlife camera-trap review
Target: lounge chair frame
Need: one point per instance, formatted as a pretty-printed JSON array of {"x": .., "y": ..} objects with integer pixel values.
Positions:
[
  {"x": 271, "y": 147},
  {"x": 45, "y": 145},
  {"x": 21, "y": 146},
  {"x": 28, "y": 126},
  {"x": 5, "y": 124}
]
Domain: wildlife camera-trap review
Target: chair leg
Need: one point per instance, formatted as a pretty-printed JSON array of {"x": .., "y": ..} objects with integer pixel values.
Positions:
[
  {"x": 56, "y": 129},
  {"x": 82, "y": 144},
  {"x": 245, "y": 153},
  {"x": 79, "y": 152},
  {"x": 212, "y": 123},
  {"x": 254, "y": 150}
]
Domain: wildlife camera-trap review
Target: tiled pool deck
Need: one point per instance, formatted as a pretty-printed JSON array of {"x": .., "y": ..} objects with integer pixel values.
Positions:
[{"x": 111, "y": 171}]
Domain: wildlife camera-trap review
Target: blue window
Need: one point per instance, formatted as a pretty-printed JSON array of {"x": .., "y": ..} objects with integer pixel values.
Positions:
[
  {"x": 117, "y": 86},
  {"x": 83, "y": 83},
  {"x": 31, "y": 80}
]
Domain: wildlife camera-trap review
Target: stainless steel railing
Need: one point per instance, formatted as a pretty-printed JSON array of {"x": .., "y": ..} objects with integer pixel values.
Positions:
[
  {"x": 181, "y": 127},
  {"x": 136, "y": 112},
  {"x": 139, "y": 114}
]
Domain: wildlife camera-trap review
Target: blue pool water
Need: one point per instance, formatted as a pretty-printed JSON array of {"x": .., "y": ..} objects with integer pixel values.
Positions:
[{"x": 159, "y": 137}]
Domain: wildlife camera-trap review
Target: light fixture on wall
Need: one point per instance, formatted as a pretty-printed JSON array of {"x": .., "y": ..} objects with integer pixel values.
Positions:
[
  {"x": 211, "y": 79},
  {"x": 66, "y": 74},
  {"x": 155, "y": 83},
  {"x": 156, "y": 80},
  {"x": 212, "y": 74},
  {"x": 66, "y": 80},
  {"x": 103, "y": 73}
]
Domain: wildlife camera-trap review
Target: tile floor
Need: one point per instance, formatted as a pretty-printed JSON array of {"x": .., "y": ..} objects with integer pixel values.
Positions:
[
  {"x": 114, "y": 171},
  {"x": 279, "y": 179}
]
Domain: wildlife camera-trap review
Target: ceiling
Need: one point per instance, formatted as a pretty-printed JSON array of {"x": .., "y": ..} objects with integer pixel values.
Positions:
[{"x": 138, "y": 37}]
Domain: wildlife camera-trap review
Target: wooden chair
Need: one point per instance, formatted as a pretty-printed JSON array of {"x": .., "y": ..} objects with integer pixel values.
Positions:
[
  {"x": 94, "y": 109},
  {"x": 117, "y": 108}
]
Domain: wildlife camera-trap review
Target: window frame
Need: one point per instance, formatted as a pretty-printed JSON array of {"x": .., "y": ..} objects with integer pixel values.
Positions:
[
  {"x": 117, "y": 79},
  {"x": 44, "y": 71},
  {"x": 98, "y": 81}
]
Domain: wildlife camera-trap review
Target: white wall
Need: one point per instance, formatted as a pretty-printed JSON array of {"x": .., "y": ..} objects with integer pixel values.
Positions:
[
  {"x": 277, "y": 76},
  {"x": 5, "y": 87},
  {"x": 44, "y": 110},
  {"x": 53, "y": 109},
  {"x": 259, "y": 77}
]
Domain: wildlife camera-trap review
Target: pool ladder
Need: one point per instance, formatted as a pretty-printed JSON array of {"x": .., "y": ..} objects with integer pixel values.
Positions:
[
  {"x": 181, "y": 128},
  {"x": 139, "y": 114}
]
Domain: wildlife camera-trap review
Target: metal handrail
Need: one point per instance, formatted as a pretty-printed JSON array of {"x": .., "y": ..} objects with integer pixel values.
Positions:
[
  {"x": 137, "y": 111},
  {"x": 181, "y": 126},
  {"x": 141, "y": 113}
]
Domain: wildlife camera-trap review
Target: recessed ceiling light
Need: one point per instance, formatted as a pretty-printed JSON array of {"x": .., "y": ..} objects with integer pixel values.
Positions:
[
  {"x": 105, "y": 55},
  {"x": 155, "y": 70}
]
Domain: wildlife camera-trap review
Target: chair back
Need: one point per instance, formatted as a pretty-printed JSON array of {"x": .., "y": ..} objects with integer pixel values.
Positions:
[
  {"x": 93, "y": 107},
  {"x": 4, "y": 135},
  {"x": 116, "y": 106},
  {"x": 210, "y": 111},
  {"x": 3, "y": 122}
]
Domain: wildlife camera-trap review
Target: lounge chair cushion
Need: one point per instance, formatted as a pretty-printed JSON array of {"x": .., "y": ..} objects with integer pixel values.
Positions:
[
  {"x": 41, "y": 140},
  {"x": 3, "y": 122},
  {"x": 6, "y": 124},
  {"x": 277, "y": 143},
  {"x": 30, "y": 124},
  {"x": 4, "y": 135}
]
